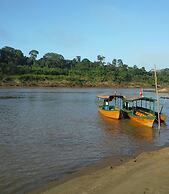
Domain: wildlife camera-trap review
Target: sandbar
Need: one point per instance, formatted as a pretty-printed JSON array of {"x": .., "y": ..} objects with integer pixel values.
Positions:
[{"x": 148, "y": 173}]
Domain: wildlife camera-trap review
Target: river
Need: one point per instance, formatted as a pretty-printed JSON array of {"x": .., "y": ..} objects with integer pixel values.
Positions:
[{"x": 47, "y": 133}]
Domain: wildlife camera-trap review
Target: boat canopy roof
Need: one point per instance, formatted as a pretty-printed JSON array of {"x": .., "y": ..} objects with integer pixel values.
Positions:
[
  {"x": 137, "y": 98},
  {"x": 110, "y": 96}
]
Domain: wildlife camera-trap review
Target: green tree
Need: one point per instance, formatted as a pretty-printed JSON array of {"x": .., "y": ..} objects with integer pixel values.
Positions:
[
  {"x": 10, "y": 58},
  {"x": 101, "y": 59},
  {"x": 54, "y": 60},
  {"x": 78, "y": 59},
  {"x": 114, "y": 62},
  {"x": 119, "y": 63},
  {"x": 33, "y": 54},
  {"x": 53, "y": 57}
]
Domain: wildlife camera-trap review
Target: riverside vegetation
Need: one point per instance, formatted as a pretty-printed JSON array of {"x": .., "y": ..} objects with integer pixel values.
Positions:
[{"x": 54, "y": 70}]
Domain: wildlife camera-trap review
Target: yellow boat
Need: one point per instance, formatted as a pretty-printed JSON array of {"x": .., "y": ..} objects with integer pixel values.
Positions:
[
  {"x": 142, "y": 110},
  {"x": 110, "y": 105},
  {"x": 143, "y": 119}
]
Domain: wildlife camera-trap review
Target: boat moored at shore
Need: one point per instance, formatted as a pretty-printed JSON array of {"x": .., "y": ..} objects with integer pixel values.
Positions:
[
  {"x": 110, "y": 105},
  {"x": 142, "y": 110}
]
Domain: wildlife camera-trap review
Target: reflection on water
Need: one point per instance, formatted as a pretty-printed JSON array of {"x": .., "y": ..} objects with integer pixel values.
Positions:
[
  {"x": 129, "y": 127},
  {"x": 46, "y": 133},
  {"x": 139, "y": 131}
]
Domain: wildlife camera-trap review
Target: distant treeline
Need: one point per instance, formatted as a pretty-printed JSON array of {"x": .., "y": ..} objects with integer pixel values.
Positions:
[{"x": 53, "y": 66}]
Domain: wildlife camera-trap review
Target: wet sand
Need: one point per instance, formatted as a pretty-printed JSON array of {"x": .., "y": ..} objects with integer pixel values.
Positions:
[{"x": 147, "y": 173}]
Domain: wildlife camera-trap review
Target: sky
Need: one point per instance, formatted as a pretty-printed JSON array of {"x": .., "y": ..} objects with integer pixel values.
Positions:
[{"x": 136, "y": 31}]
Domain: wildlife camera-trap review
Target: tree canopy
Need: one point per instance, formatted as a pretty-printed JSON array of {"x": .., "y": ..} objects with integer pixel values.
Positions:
[
  {"x": 79, "y": 71},
  {"x": 33, "y": 54}
]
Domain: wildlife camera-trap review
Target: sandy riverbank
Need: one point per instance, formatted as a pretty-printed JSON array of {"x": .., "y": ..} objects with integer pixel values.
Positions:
[
  {"x": 65, "y": 83},
  {"x": 148, "y": 173}
]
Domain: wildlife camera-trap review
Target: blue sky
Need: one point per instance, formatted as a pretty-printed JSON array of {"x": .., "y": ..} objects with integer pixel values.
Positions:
[{"x": 135, "y": 31}]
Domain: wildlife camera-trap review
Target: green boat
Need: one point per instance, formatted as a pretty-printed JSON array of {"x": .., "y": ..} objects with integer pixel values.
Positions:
[{"x": 142, "y": 110}]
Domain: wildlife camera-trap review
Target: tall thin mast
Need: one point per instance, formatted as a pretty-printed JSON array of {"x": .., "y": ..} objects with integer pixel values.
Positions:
[{"x": 158, "y": 102}]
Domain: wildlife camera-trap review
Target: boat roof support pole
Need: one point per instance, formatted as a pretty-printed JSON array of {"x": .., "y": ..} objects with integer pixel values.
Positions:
[{"x": 158, "y": 102}]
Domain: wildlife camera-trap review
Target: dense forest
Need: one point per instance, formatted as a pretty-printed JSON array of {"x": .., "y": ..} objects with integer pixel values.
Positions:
[{"x": 54, "y": 70}]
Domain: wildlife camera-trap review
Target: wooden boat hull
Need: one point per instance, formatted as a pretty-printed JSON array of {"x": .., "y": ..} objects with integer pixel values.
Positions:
[
  {"x": 146, "y": 121},
  {"x": 113, "y": 114}
]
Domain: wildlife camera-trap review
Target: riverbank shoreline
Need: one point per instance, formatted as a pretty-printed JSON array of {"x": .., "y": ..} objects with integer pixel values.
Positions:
[
  {"x": 64, "y": 83},
  {"x": 148, "y": 172}
]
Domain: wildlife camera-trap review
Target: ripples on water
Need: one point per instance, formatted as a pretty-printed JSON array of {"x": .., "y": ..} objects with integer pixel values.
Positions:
[{"x": 46, "y": 133}]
